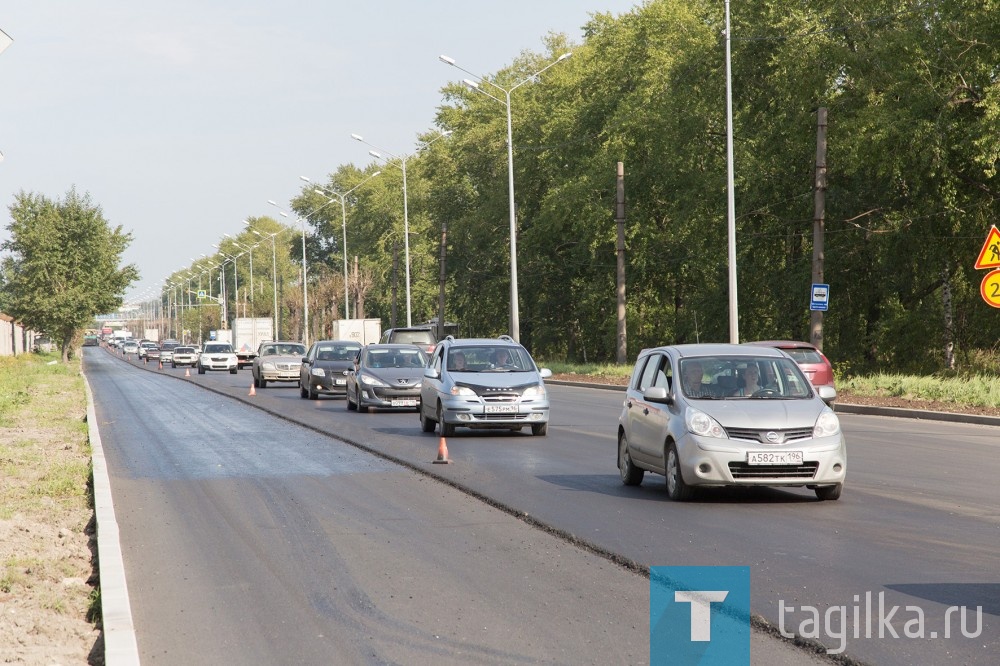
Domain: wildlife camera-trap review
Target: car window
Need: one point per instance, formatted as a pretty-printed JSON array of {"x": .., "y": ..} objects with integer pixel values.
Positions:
[
  {"x": 292, "y": 350},
  {"x": 726, "y": 378},
  {"x": 494, "y": 358},
  {"x": 648, "y": 376},
  {"x": 413, "y": 337},
  {"x": 218, "y": 349},
  {"x": 803, "y": 355}
]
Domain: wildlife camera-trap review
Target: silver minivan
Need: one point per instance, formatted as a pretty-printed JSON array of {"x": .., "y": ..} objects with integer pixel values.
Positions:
[
  {"x": 728, "y": 415},
  {"x": 483, "y": 383}
]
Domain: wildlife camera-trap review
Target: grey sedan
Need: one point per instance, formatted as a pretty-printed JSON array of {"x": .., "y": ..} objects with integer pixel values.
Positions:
[
  {"x": 728, "y": 415},
  {"x": 386, "y": 375},
  {"x": 325, "y": 368}
]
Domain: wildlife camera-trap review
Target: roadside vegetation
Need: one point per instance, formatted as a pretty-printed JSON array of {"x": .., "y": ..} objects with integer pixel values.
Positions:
[{"x": 48, "y": 589}]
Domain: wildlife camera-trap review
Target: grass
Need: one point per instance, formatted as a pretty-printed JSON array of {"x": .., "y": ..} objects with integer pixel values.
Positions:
[{"x": 980, "y": 390}]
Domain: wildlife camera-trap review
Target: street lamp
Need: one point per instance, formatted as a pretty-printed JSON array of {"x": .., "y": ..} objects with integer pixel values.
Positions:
[
  {"x": 406, "y": 216},
  {"x": 249, "y": 250},
  {"x": 515, "y": 324},
  {"x": 274, "y": 272},
  {"x": 343, "y": 213},
  {"x": 236, "y": 284},
  {"x": 305, "y": 298}
]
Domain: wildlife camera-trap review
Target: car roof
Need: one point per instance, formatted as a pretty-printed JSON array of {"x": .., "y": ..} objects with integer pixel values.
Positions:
[
  {"x": 478, "y": 342},
  {"x": 392, "y": 345},
  {"x": 715, "y": 349},
  {"x": 338, "y": 342}
]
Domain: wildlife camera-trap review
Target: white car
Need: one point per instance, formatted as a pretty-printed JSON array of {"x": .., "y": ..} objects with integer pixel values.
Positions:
[
  {"x": 218, "y": 356},
  {"x": 130, "y": 347}
]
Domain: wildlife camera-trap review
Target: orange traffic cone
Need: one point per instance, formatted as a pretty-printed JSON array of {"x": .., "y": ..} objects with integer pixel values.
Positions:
[
  {"x": 187, "y": 372},
  {"x": 442, "y": 458},
  {"x": 161, "y": 365},
  {"x": 252, "y": 390}
]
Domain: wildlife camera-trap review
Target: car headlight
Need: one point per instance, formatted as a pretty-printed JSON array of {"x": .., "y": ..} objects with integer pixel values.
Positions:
[
  {"x": 700, "y": 423},
  {"x": 827, "y": 424},
  {"x": 537, "y": 391},
  {"x": 461, "y": 390},
  {"x": 267, "y": 366},
  {"x": 368, "y": 380},
  {"x": 319, "y": 372}
]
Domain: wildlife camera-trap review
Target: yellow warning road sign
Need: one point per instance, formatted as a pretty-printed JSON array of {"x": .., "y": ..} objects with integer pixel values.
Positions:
[
  {"x": 990, "y": 288},
  {"x": 989, "y": 256}
]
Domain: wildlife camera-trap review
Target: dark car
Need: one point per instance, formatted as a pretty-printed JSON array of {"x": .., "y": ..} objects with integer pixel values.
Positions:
[
  {"x": 422, "y": 336},
  {"x": 325, "y": 368},
  {"x": 386, "y": 375},
  {"x": 810, "y": 360}
]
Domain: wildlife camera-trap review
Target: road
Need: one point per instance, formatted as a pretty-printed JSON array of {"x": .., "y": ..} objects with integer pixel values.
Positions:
[{"x": 348, "y": 527}]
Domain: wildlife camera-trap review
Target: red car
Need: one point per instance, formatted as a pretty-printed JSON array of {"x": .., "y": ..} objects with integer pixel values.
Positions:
[{"x": 813, "y": 363}]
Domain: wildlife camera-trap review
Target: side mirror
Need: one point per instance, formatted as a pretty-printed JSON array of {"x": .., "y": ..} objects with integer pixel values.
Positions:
[
  {"x": 305, "y": 361},
  {"x": 657, "y": 394},
  {"x": 431, "y": 373},
  {"x": 544, "y": 373},
  {"x": 827, "y": 393}
]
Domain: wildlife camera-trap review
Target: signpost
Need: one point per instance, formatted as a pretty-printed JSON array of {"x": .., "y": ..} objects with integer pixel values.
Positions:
[
  {"x": 820, "y": 299},
  {"x": 989, "y": 257}
]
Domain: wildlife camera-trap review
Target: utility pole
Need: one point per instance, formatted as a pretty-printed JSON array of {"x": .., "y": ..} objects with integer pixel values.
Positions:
[
  {"x": 441, "y": 277},
  {"x": 395, "y": 282},
  {"x": 621, "y": 356},
  {"x": 816, "y": 316}
]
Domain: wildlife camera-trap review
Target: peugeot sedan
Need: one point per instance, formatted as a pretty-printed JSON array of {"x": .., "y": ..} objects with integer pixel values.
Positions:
[
  {"x": 728, "y": 415},
  {"x": 386, "y": 376},
  {"x": 325, "y": 368}
]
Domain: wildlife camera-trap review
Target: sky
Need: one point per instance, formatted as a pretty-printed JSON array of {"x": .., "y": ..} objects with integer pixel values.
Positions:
[{"x": 180, "y": 119}]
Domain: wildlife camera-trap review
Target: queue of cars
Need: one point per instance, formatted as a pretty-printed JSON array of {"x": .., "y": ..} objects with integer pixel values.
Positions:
[{"x": 701, "y": 415}]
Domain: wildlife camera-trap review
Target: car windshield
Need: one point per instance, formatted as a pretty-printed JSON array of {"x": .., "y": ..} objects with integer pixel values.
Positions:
[
  {"x": 489, "y": 358},
  {"x": 394, "y": 358},
  {"x": 742, "y": 377},
  {"x": 183, "y": 350},
  {"x": 218, "y": 349},
  {"x": 337, "y": 352}
]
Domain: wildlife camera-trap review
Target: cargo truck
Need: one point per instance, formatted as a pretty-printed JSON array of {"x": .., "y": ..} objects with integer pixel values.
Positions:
[
  {"x": 364, "y": 331},
  {"x": 248, "y": 333}
]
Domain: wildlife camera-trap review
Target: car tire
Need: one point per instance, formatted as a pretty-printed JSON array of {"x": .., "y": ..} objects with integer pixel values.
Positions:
[
  {"x": 677, "y": 489},
  {"x": 829, "y": 493},
  {"x": 303, "y": 393},
  {"x": 256, "y": 382},
  {"x": 201, "y": 370},
  {"x": 263, "y": 383},
  {"x": 233, "y": 371},
  {"x": 447, "y": 429},
  {"x": 362, "y": 408},
  {"x": 351, "y": 405},
  {"x": 173, "y": 365},
  {"x": 426, "y": 424},
  {"x": 631, "y": 475},
  {"x": 539, "y": 429},
  {"x": 312, "y": 395}
]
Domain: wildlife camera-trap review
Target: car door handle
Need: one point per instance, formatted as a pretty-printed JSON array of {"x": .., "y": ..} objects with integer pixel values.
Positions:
[{"x": 645, "y": 411}]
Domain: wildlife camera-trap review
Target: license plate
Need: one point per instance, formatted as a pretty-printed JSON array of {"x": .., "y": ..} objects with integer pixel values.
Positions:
[
  {"x": 501, "y": 409},
  {"x": 774, "y": 457},
  {"x": 341, "y": 382},
  {"x": 404, "y": 402}
]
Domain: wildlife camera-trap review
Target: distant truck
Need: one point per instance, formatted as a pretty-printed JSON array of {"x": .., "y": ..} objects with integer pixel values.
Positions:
[
  {"x": 152, "y": 334},
  {"x": 222, "y": 335},
  {"x": 364, "y": 331},
  {"x": 248, "y": 333}
]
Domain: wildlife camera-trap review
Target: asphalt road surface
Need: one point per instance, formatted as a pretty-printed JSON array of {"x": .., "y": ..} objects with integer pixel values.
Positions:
[{"x": 250, "y": 538}]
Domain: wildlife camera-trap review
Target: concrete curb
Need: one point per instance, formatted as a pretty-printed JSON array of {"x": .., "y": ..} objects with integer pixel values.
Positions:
[
  {"x": 120, "y": 646},
  {"x": 866, "y": 410}
]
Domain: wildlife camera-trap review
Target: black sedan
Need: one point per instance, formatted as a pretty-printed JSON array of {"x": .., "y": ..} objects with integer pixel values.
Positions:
[
  {"x": 386, "y": 376},
  {"x": 325, "y": 367}
]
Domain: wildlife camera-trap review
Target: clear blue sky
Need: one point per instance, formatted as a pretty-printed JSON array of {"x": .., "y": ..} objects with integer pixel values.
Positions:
[{"x": 182, "y": 118}]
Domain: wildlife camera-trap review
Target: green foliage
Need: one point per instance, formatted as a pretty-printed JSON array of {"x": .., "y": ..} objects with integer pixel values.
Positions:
[{"x": 64, "y": 265}]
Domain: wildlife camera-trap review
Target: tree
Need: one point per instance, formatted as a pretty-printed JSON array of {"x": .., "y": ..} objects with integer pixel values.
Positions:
[{"x": 64, "y": 265}]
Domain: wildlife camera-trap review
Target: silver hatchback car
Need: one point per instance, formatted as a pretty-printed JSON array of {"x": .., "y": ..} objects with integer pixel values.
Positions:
[
  {"x": 728, "y": 415},
  {"x": 483, "y": 383}
]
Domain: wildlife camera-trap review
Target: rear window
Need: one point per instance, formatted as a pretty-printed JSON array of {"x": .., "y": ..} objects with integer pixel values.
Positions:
[
  {"x": 413, "y": 337},
  {"x": 801, "y": 355}
]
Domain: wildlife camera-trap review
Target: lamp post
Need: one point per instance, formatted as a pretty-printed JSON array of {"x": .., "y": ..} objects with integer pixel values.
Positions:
[
  {"x": 515, "y": 324},
  {"x": 236, "y": 282},
  {"x": 406, "y": 216},
  {"x": 343, "y": 213},
  {"x": 248, "y": 250},
  {"x": 305, "y": 298},
  {"x": 274, "y": 272}
]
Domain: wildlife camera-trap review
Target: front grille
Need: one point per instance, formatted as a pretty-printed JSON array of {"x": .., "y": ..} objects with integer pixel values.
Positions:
[
  {"x": 286, "y": 366},
  {"x": 757, "y": 435},
  {"x": 741, "y": 470},
  {"x": 501, "y": 417}
]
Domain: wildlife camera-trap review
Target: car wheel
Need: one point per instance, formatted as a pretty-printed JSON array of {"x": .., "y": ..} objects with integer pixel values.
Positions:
[
  {"x": 539, "y": 429},
  {"x": 312, "y": 394},
  {"x": 262, "y": 382},
  {"x": 173, "y": 365},
  {"x": 426, "y": 424},
  {"x": 362, "y": 407},
  {"x": 256, "y": 382},
  {"x": 677, "y": 490},
  {"x": 351, "y": 405},
  {"x": 303, "y": 393},
  {"x": 447, "y": 429},
  {"x": 233, "y": 371},
  {"x": 201, "y": 370},
  {"x": 631, "y": 475},
  {"x": 829, "y": 493}
]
